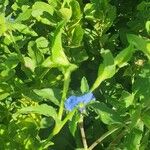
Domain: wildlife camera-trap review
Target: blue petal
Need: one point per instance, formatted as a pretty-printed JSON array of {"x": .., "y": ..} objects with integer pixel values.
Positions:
[
  {"x": 86, "y": 98},
  {"x": 73, "y": 101}
]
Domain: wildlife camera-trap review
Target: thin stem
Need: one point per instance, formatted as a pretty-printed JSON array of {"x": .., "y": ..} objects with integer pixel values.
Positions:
[
  {"x": 67, "y": 73},
  {"x": 83, "y": 133},
  {"x": 44, "y": 73},
  {"x": 65, "y": 89},
  {"x": 102, "y": 138},
  {"x": 116, "y": 140}
]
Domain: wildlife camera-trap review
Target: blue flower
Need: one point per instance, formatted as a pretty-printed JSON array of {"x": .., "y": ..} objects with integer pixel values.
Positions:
[{"x": 74, "y": 101}]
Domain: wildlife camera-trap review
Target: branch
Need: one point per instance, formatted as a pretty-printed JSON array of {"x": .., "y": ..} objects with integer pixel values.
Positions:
[
  {"x": 102, "y": 138},
  {"x": 83, "y": 133}
]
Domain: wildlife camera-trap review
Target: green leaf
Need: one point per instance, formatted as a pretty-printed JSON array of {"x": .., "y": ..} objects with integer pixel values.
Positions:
[
  {"x": 76, "y": 12},
  {"x": 126, "y": 99},
  {"x": 43, "y": 12},
  {"x": 7, "y": 74},
  {"x": 3, "y": 95},
  {"x": 42, "y": 109},
  {"x": 23, "y": 29},
  {"x": 53, "y": 3},
  {"x": 12, "y": 61},
  {"x": 84, "y": 85},
  {"x": 47, "y": 93},
  {"x": 26, "y": 91},
  {"x": 141, "y": 85},
  {"x": 73, "y": 123},
  {"x": 89, "y": 11},
  {"x": 106, "y": 114},
  {"x": 58, "y": 55},
  {"x": 41, "y": 42},
  {"x": 66, "y": 13},
  {"x": 41, "y": 7},
  {"x": 140, "y": 43},
  {"x": 78, "y": 54},
  {"x": 5, "y": 90},
  {"x": 135, "y": 117},
  {"x": 148, "y": 26},
  {"x": 106, "y": 69},
  {"x": 25, "y": 15},
  {"x": 133, "y": 138},
  {"x": 46, "y": 122},
  {"x": 3, "y": 27},
  {"x": 146, "y": 118},
  {"x": 36, "y": 55},
  {"x": 145, "y": 140},
  {"x": 48, "y": 63},
  {"x": 124, "y": 56},
  {"x": 101, "y": 13},
  {"x": 77, "y": 36},
  {"x": 29, "y": 63},
  {"x": 42, "y": 45}
]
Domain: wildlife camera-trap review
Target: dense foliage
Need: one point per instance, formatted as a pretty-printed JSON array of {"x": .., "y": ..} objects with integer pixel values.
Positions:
[{"x": 53, "y": 49}]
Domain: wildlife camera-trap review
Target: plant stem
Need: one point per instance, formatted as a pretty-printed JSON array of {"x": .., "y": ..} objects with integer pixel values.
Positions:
[
  {"x": 116, "y": 140},
  {"x": 65, "y": 89},
  {"x": 102, "y": 138},
  {"x": 67, "y": 73},
  {"x": 83, "y": 133}
]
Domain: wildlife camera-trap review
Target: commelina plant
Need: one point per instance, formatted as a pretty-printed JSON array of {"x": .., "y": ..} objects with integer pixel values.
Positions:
[{"x": 74, "y": 74}]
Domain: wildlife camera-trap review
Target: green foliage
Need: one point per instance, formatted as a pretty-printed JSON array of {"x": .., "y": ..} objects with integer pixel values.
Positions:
[
  {"x": 84, "y": 85},
  {"x": 51, "y": 50}
]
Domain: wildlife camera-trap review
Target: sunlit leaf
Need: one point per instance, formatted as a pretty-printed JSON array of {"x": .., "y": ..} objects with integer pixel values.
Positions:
[
  {"x": 140, "y": 43},
  {"x": 106, "y": 69},
  {"x": 42, "y": 109},
  {"x": 58, "y": 55},
  {"x": 47, "y": 93},
  {"x": 84, "y": 85},
  {"x": 124, "y": 56}
]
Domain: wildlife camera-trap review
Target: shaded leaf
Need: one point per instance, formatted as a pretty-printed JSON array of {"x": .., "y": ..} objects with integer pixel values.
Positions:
[
  {"x": 106, "y": 114},
  {"x": 36, "y": 55},
  {"x": 146, "y": 118},
  {"x": 73, "y": 123},
  {"x": 77, "y": 36},
  {"x": 141, "y": 85},
  {"x": 133, "y": 138}
]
